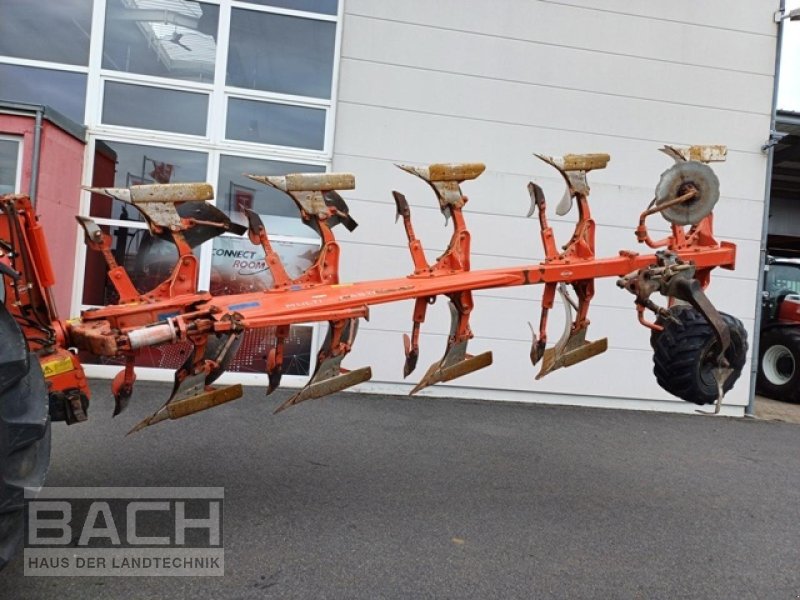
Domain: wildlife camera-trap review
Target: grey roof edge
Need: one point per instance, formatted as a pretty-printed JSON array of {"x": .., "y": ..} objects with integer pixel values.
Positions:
[
  {"x": 787, "y": 117},
  {"x": 61, "y": 121}
]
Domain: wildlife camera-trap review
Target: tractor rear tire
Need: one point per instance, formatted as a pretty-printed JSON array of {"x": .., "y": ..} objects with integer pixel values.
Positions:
[
  {"x": 779, "y": 363},
  {"x": 684, "y": 355},
  {"x": 24, "y": 452}
]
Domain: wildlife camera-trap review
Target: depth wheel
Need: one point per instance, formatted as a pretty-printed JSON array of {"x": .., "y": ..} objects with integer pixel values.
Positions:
[{"x": 685, "y": 352}]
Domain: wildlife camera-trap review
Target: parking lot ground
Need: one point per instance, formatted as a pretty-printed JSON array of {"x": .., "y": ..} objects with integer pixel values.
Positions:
[
  {"x": 775, "y": 410},
  {"x": 364, "y": 496}
]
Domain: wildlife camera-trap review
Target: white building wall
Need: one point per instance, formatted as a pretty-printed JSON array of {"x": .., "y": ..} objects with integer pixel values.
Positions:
[{"x": 453, "y": 81}]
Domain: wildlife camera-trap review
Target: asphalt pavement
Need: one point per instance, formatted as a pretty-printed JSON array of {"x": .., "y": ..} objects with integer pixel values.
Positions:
[{"x": 364, "y": 496}]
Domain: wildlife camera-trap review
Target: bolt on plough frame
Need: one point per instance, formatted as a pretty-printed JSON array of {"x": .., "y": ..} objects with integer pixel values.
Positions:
[{"x": 175, "y": 311}]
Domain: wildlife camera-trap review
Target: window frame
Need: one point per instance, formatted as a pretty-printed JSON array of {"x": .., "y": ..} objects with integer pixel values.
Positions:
[
  {"x": 213, "y": 144},
  {"x": 20, "y": 141}
]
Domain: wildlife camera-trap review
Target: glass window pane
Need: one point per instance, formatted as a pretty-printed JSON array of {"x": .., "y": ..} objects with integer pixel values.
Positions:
[
  {"x": 256, "y": 344},
  {"x": 46, "y": 30},
  {"x": 239, "y": 267},
  {"x": 326, "y": 7},
  {"x": 63, "y": 91},
  {"x": 9, "y": 166},
  {"x": 279, "y": 124},
  {"x": 154, "y": 108},
  {"x": 122, "y": 165},
  {"x": 149, "y": 261},
  {"x": 276, "y": 53},
  {"x": 277, "y": 210},
  {"x": 162, "y": 38}
]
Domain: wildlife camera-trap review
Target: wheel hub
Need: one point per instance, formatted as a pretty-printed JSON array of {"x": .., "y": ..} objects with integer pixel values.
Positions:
[{"x": 778, "y": 365}]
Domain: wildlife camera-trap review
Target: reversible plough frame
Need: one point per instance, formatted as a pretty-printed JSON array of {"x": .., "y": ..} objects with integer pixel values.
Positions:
[{"x": 175, "y": 311}]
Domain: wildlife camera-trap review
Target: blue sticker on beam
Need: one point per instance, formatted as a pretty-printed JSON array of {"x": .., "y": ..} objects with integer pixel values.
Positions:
[{"x": 244, "y": 305}]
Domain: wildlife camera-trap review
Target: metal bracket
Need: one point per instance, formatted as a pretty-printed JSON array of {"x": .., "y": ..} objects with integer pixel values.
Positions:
[{"x": 774, "y": 138}]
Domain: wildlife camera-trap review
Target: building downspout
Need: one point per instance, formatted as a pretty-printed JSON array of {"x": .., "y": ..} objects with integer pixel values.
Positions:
[
  {"x": 769, "y": 149},
  {"x": 37, "y": 146}
]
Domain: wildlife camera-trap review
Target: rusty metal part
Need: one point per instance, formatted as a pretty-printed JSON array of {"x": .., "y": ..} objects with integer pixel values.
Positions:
[
  {"x": 99, "y": 242},
  {"x": 445, "y": 180},
  {"x": 190, "y": 380},
  {"x": 191, "y": 405},
  {"x": 537, "y": 200},
  {"x": 704, "y": 154},
  {"x": 221, "y": 349},
  {"x": 453, "y": 365},
  {"x": 308, "y": 182},
  {"x": 122, "y": 385},
  {"x": 157, "y": 201},
  {"x": 257, "y": 234},
  {"x": 201, "y": 222},
  {"x": 414, "y": 245},
  {"x": 577, "y": 162},
  {"x": 446, "y": 171},
  {"x": 573, "y": 169},
  {"x": 721, "y": 374},
  {"x": 538, "y": 346},
  {"x": 171, "y": 192},
  {"x": 321, "y": 386},
  {"x": 690, "y": 193},
  {"x": 340, "y": 212},
  {"x": 68, "y": 405},
  {"x": 572, "y": 347},
  {"x": 411, "y": 343},
  {"x": 275, "y": 358},
  {"x": 677, "y": 181},
  {"x": 96, "y": 337},
  {"x": 152, "y": 335},
  {"x": 329, "y": 376},
  {"x": 455, "y": 362},
  {"x": 321, "y": 211},
  {"x": 306, "y": 189}
]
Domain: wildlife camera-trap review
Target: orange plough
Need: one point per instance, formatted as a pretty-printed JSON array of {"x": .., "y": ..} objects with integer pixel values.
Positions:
[{"x": 175, "y": 311}]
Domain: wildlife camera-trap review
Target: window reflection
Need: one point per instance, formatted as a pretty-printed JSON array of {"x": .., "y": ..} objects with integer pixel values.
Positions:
[
  {"x": 326, "y": 7},
  {"x": 46, "y": 30},
  {"x": 277, "y": 210},
  {"x": 256, "y": 344},
  {"x": 279, "y": 124},
  {"x": 166, "y": 38},
  {"x": 154, "y": 108},
  {"x": 122, "y": 165},
  {"x": 9, "y": 165},
  {"x": 149, "y": 260},
  {"x": 239, "y": 267},
  {"x": 63, "y": 91},
  {"x": 276, "y": 53}
]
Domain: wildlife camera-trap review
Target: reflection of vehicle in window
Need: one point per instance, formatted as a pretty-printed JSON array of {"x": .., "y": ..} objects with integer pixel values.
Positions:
[
  {"x": 153, "y": 262},
  {"x": 779, "y": 358}
]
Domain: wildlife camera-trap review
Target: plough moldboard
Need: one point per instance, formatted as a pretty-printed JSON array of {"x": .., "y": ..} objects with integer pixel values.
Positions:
[{"x": 175, "y": 311}]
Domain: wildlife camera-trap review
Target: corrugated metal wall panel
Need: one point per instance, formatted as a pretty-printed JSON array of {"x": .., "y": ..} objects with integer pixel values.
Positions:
[{"x": 446, "y": 82}]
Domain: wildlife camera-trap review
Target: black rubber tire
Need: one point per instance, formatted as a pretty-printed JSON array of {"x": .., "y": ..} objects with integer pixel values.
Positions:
[
  {"x": 682, "y": 351},
  {"x": 24, "y": 452},
  {"x": 783, "y": 338}
]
